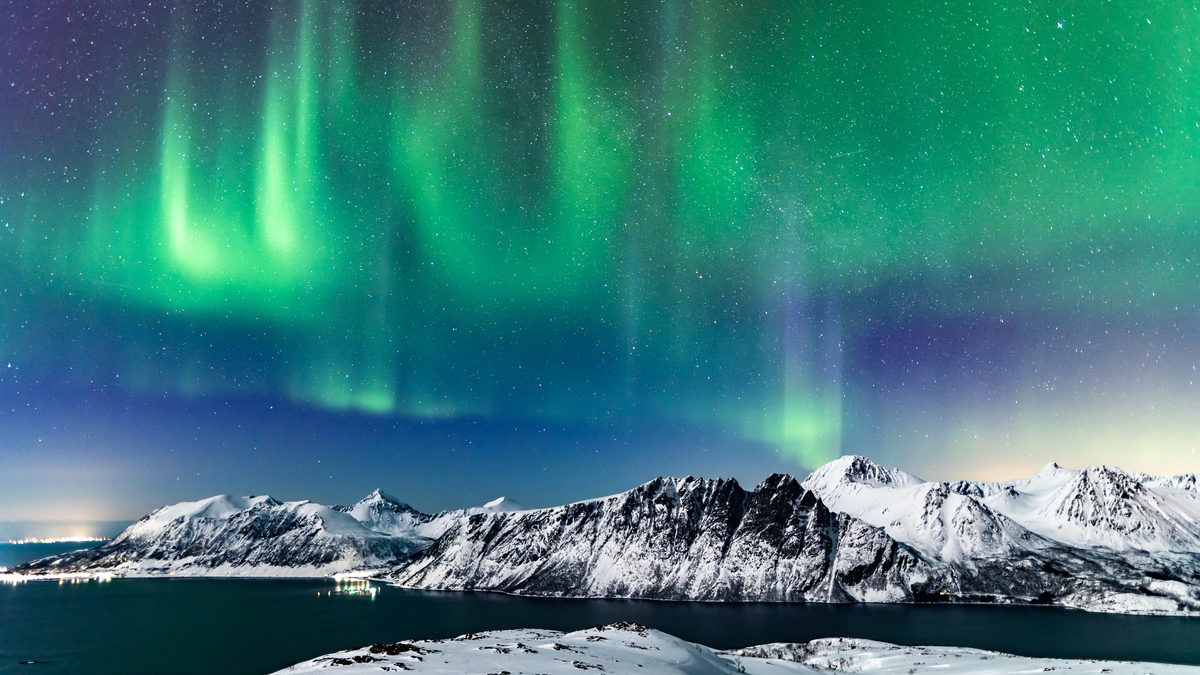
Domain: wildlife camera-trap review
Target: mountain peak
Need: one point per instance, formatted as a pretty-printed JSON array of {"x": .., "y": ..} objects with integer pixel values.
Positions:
[
  {"x": 860, "y": 470},
  {"x": 775, "y": 480},
  {"x": 503, "y": 504},
  {"x": 1053, "y": 469},
  {"x": 1108, "y": 480},
  {"x": 380, "y": 496}
]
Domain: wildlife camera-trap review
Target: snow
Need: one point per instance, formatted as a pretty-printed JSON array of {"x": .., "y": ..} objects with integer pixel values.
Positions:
[
  {"x": 220, "y": 507},
  {"x": 503, "y": 504},
  {"x": 940, "y": 523},
  {"x": 1098, "y": 507},
  {"x": 625, "y": 649},
  {"x": 381, "y": 512},
  {"x": 437, "y": 525},
  {"x": 333, "y": 521},
  {"x": 869, "y": 656},
  {"x": 864, "y": 472},
  {"x": 1103, "y": 507},
  {"x": 258, "y": 536}
]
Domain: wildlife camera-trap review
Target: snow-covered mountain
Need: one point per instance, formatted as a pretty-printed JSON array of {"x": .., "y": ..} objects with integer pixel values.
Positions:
[
  {"x": 383, "y": 513},
  {"x": 1099, "y": 539},
  {"x": 853, "y": 531},
  {"x": 1096, "y": 508},
  {"x": 680, "y": 539},
  {"x": 441, "y": 522},
  {"x": 1115, "y": 540},
  {"x": 1103, "y": 506},
  {"x": 945, "y": 522},
  {"x": 261, "y": 536}
]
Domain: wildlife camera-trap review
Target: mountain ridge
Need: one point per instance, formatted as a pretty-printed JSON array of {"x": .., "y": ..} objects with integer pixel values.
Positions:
[
  {"x": 676, "y": 539},
  {"x": 852, "y": 531}
]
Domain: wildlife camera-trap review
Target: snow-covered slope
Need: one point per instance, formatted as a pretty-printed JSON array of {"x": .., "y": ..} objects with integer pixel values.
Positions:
[
  {"x": 441, "y": 522},
  {"x": 630, "y": 649},
  {"x": 498, "y": 505},
  {"x": 260, "y": 536},
  {"x": 245, "y": 536},
  {"x": 383, "y": 513},
  {"x": 942, "y": 521},
  {"x": 683, "y": 539},
  {"x": 1100, "y": 538},
  {"x": 1096, "y": 508},
  {"x": 1103, "y": 506}
]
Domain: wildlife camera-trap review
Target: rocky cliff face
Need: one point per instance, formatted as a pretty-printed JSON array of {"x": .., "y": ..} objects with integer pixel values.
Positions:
[
  {"x": 892, "y": 538},
  {"x": 680, "y": 540}
]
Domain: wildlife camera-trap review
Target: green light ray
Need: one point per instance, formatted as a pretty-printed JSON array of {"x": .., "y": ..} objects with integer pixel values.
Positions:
[
  {"x": 478, "y": 234},
  {"x": 593, "y": 139},
  {"x": 227, "y": 233},
  {"x": 713, "y": 127},
  {"x": 192, "y": 252},
  {"x": 289, "y": 170}
]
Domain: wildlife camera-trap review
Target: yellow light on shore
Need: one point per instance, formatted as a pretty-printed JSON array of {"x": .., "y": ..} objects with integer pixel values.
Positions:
[
  {"x": 73, "y": 577},
  {"x": 58, "y": 540}
]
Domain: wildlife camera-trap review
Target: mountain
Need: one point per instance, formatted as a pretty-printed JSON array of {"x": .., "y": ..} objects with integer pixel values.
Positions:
[
  {"x": 1106, "y": 507},
  {"x": 945, "y": 522},
  {"x": 1100, "y": 507},
  {"x": 852, "y": 531},
  {"x": 677, "y": 539},
  {"x": 260, "y": 536},
  {"x": 383, "y": 513},
  {"x": 1100, "y": 539},
  {"x": 1114, "y": 540}
]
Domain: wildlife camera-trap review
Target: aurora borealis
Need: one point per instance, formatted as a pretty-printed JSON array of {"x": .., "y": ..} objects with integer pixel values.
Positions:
[{"x": 700, "y": 237}]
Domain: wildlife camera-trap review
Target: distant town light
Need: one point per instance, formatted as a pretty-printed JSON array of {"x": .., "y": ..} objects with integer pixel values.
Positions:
[{"x": 58, "y": 540}]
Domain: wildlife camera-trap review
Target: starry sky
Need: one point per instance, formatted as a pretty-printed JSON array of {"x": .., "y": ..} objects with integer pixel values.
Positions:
[{"x": 464, "y": 248}]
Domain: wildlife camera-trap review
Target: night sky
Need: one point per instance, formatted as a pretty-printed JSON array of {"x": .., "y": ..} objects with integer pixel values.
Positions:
[{"x": 464, "y": 248}]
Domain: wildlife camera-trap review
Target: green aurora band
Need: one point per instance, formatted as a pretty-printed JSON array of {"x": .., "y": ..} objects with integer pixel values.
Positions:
[{"x": 596, "y": 212}]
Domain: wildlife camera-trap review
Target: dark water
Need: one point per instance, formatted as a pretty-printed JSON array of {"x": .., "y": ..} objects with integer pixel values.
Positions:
[
  {"x": 258, "y": 626},
  {"x": 15, "y": 554}
]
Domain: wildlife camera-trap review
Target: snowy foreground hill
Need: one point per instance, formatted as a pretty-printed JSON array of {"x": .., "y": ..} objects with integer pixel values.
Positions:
[
  {"x": 1099, "y": 539},
  {"x": 626, "y": 649}
]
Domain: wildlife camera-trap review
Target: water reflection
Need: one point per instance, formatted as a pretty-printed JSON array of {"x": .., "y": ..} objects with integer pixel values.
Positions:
[
  {"x": 352, "y": 586},
  {"x": 258, "y": 626}
]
